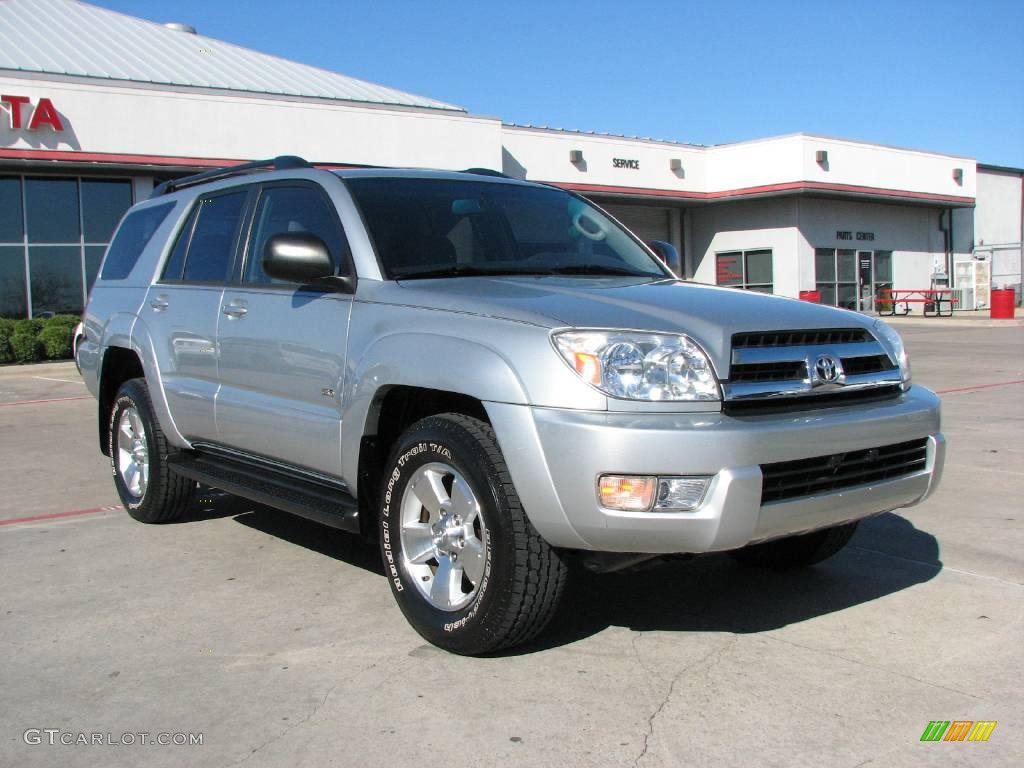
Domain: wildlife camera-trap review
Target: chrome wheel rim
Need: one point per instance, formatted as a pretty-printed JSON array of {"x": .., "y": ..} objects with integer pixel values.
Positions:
[
  {"x": 132, "y": 452},
  {"x": 444, "y": 539}
]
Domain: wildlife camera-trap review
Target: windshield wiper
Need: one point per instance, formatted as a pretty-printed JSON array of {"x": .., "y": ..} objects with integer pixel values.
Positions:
[
  {"x": 458, "y": 270},
  {"x": 596, "y": 269}
]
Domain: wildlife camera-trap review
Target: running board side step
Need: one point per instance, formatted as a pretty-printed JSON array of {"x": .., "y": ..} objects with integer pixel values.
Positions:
[{"x": 319, "y": 502}]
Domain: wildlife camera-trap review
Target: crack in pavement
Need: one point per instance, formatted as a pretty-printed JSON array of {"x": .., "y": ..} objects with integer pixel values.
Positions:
[
  {"x": 872, "y": 666},
  {"x": 304, "y": 720},
  {"x": 716, "y": 652}
]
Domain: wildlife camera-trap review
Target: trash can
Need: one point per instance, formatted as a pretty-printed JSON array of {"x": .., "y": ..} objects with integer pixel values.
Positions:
[
  {"x": 815, "y": 296},
  {"x": 1002, "y": 304}
]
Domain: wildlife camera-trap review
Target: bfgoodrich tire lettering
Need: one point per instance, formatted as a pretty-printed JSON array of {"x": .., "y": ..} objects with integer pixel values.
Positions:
[
  {"x": 505, "y": 597},
  {"x": 148, "y": 488}
]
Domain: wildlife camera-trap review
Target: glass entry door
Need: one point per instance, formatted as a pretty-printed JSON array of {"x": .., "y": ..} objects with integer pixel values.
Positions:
[
  {"x": 865, "y": 281},
  {"x": 852, "y": 279}
]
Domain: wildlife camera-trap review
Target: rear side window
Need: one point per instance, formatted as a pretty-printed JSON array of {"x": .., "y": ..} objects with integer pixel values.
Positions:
[
  {"x": 131, "y": 239},
  {"x": 211, "y": 249}
]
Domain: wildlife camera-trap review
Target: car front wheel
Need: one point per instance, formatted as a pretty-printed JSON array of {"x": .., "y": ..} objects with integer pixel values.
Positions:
[{"x": 466, "y": 566}]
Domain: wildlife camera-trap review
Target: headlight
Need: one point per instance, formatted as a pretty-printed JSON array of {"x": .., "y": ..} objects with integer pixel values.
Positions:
[
  {"x": 639, "y": 366},
  {"x": 892, "y": 340}
]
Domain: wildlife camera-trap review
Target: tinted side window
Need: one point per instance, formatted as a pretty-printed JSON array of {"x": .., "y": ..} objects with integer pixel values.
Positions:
[
  {"x": 132, "y": 237},
  {"x": 175, "y": 265},
  {"x": 285, "y": 210},
  {"x": 212, "y": 246}
]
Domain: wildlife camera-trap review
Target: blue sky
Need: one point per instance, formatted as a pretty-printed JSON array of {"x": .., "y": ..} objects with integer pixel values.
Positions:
[{"x": 935, "y": 75}]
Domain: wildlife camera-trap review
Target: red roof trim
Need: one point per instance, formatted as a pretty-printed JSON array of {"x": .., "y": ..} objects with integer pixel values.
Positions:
[{"x": 792, "y": 186}]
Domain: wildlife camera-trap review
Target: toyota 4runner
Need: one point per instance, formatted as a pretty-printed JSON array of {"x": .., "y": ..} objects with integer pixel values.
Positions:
[{"x": 493, "y": 378}]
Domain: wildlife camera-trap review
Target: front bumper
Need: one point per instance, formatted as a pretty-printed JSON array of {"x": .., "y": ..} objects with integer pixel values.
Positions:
[{"x": 555, "y": 457}]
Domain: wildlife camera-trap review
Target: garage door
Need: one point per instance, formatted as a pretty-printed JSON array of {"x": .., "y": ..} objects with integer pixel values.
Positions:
[{"x": 646, "y": 222}]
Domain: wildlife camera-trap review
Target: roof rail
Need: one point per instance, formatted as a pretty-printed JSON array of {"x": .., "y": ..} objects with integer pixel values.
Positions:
[
  {"x": 486, "y": 172},
  {"x": 281, "y": 163}
]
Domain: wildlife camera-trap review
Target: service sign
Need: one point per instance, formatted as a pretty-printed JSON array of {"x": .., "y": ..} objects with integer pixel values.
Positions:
[{"x": 22, "y": 114}]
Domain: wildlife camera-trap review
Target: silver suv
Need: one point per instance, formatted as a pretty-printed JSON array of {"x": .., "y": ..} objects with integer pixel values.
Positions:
[{"x": 493, "y": 378}]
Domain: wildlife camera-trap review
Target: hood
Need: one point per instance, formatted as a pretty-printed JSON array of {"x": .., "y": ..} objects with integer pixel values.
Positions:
[{"x": 708, "y": 314}]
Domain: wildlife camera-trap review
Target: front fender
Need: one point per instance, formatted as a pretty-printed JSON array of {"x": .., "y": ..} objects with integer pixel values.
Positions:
[{"x": 427, "y": 360}]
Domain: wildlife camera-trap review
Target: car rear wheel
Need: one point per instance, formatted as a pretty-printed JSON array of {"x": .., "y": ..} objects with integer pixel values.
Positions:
[
  {"x": 466, "y": 566},
  {"x": 797, "y": 551},
  {"x": 149, "y": 490}
]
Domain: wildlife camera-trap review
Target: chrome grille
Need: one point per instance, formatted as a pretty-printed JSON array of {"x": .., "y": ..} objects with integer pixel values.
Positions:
[
  {"x": 800, "y": 338},
  {"x": 823, "y": 474},
  {"x": 778, "y": 368}
]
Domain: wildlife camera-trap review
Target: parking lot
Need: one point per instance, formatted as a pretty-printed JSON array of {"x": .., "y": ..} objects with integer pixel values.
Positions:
[{"x": 278, "y": 641}]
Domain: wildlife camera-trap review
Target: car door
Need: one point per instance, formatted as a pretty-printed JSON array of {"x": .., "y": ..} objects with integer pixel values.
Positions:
[
  {"x": 182, "y": 309},
  {"x": 282, "y": 345}
]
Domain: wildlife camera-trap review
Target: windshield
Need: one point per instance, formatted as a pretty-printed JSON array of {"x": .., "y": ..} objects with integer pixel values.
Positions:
[{"x": 441, "y": 228}]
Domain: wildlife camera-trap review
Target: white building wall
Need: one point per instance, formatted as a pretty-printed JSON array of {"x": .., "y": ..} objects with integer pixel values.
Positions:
[
  {"x": 912, "y": 233},
  {"x": 543, "y": 155},
  {"x": 997, "y": 218},
  {"x": 872, "y": 165},
  {"x": 997, "y": 229},
  {"x": 169, "y": 122},
  {"x": 745, "y": 226}
]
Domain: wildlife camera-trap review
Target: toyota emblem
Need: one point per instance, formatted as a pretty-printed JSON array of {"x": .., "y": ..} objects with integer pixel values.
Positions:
[{"x": 827, "y": 369}]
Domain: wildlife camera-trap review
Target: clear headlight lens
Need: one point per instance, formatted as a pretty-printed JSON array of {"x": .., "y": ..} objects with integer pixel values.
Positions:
[
  {"x": 640, "y": 366},
  {"x": 892, "y": 340}
]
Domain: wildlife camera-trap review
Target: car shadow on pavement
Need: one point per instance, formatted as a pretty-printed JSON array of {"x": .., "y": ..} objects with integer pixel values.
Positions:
[
  {"x": 714, "y": 593},
  {"x": 707, "y": 593},
  {"x": 347, "y": 547}
]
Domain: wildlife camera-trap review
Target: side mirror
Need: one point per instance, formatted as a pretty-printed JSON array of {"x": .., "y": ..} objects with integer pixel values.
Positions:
[
  {"x": 669, "y": 255},
  {"x": 298, "y": 257}
]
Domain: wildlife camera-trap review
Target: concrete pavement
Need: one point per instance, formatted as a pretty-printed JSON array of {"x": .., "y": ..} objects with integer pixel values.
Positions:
[{"x": 278, "y": 640}]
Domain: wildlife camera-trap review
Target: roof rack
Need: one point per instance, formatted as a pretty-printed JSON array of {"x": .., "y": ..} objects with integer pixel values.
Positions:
[
  {"x": 281, "y": 163},
  {"x": 486, "y": 172}
]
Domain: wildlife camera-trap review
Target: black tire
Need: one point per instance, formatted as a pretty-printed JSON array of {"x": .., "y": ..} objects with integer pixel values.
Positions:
[
  {"x": 800, "y": 551},
  {"x": 166, "y": 495},
  {"x": 524, "y": 577}
]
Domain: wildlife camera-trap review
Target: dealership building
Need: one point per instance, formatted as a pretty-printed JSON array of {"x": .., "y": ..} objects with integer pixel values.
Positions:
[{"x": 97, "y": 107}]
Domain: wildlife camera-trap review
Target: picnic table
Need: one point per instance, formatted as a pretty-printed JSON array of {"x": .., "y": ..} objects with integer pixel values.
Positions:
[{"x": 932, "y": 298}]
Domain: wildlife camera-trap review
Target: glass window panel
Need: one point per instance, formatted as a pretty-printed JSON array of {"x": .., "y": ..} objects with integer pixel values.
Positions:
[
  {"x": 883, "y": 266},
  {"x": 759, "y": 268},
  {"x": 93, "y": 257},
  {"x": 729, "y": 268},
  {"x": 285, "y": 210},
  {"x": 825, "y": 264},
  {"x": 132, "y": 238},
  {"x": 847, "y": 265},
  {"x": 212, "y": 247},
  {"x": 104, "y": 202},
  {"x": 52, "y": 210},
  {"x": 410, "y": 220},
  {"x": 175, "y": 265},
  {"x": 12, "y": 225},
  {"x": 828, "y": 293},
  {"x": 846, "y": 295},
  {"x": 56, "y": 279},
  {"x": 760, "y": 288},
  {"x": 13, "y": 302}
]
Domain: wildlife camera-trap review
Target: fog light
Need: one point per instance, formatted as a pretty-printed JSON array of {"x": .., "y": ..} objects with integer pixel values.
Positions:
[
  {"x": 627, "y": 493},
  {"x": 682, "y": 494}
]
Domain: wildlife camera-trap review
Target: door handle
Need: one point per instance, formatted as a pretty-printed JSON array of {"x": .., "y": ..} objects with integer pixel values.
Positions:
[
  {"x": 160, "y": 303},
  {"x": 235, "y": 309}
]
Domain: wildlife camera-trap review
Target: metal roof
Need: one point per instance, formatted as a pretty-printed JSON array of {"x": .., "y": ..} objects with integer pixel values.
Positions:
[{"x": 66, "y": 37}]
